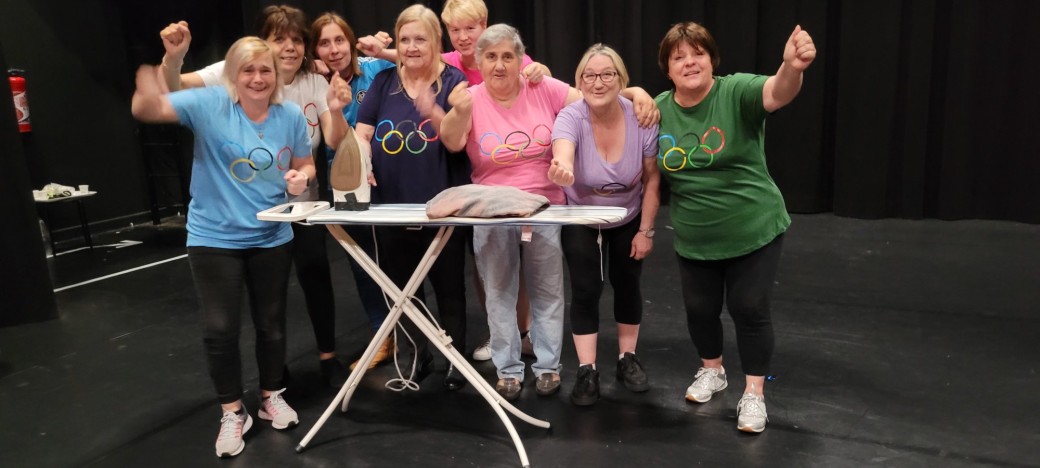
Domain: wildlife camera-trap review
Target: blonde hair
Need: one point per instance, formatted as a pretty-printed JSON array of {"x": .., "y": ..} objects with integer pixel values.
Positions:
[
  {"x": 606, "y": 51},
  {"x": 243, "y": 51},
  {"x": 461, "y": 10},
  {"x": 428, "y": 20}
]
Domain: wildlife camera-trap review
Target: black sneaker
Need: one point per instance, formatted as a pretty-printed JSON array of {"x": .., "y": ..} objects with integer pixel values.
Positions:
[
  {"x": 333, "y": 372},
  {"x": 586, "y": 386},
  {"x": 631, "y": 372}
]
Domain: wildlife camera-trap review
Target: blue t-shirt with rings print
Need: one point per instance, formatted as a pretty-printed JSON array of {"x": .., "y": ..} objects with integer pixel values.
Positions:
[
  {"x": 409, "y": 163},
  {"x": 238, "y": 168},
  {"x": 359, "y": 85}
]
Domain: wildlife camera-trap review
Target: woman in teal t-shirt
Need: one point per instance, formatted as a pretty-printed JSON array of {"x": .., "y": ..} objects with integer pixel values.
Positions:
[{"x": 729, "y": 216}]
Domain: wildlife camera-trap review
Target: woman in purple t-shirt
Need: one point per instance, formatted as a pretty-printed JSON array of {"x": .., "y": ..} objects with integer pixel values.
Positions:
[{"x": 601, "y": 156}]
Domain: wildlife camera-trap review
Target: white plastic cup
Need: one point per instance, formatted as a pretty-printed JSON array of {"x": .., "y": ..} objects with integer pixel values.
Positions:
[{"x": 84, "y": 188}]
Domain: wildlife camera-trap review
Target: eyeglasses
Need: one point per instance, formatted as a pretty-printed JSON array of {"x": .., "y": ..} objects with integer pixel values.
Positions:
[{"x": 607, "y": 77}]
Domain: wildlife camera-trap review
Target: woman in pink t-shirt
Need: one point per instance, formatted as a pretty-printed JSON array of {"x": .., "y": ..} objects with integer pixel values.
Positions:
[{"x": 505, "y": 127}]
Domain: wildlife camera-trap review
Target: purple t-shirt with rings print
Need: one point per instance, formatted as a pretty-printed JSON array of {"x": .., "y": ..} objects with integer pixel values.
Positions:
[{"x": 596, "y": 181}]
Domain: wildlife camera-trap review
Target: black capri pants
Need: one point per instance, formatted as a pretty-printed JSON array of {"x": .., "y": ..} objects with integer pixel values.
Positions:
[{"x": 583, "y": 263}]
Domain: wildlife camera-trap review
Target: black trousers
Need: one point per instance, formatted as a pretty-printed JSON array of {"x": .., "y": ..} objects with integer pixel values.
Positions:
[
  {"x": 583, "y": 263},
  {"x": 746, "y": 282},
  {"x": 311, "y": 258},
  {"x": 221, "y": 276},
  {"x": 400, "y": 250}
]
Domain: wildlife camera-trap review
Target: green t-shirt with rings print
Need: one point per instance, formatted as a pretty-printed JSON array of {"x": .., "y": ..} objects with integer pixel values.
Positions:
[{"x": 723, "y": 202}]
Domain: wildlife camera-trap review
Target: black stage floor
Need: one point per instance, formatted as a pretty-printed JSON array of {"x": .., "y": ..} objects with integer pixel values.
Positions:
[{"x": 899, "y": 343}]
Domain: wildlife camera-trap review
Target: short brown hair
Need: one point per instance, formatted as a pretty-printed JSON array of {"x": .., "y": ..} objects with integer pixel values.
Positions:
[
  {"x": 284, "y": 19},
  {"x": 332, "y": 18},
  {"x": 695, "y": 35}
]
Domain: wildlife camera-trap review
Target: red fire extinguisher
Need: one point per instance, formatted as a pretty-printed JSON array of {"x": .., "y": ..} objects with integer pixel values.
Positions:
[{"x": 21, "y": 101}]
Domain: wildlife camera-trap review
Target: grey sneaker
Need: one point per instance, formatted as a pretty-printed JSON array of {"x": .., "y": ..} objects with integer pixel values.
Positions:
[
  {"x": 275, "y": 409},
  {"x": 751, "y": 413},
  {"x": 707, "y": 382},
  {"x": 483, "y": 352},
  {"x": 232, "y": 427}
]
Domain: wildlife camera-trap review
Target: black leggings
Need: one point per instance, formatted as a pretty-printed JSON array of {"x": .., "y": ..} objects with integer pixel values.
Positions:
[
  {"x": 310, "y": 256},
  {"x": 747, "y": 282},
  {"x": 583, "y": 263},
  {"x": 400, "y": 250},
  {"x": 221, "y": 276}
]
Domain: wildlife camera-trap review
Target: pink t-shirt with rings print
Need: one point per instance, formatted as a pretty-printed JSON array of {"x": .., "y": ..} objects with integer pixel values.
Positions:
[{"x": 513, "y": 146}]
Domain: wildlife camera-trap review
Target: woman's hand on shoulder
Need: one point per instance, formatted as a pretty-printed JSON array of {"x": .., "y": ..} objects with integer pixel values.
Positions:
[{"x": 646, "y": 109}]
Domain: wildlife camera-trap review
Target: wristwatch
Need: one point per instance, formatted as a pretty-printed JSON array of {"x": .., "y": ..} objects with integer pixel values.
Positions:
[{"x": 649, "y": 233}]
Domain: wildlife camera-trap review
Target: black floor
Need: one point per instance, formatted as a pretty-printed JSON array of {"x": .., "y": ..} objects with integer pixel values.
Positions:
[{"x": 898, "y": 343}]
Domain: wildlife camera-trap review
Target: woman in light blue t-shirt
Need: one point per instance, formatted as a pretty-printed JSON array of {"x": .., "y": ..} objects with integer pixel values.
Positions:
[{"x": 250, "y": 149}]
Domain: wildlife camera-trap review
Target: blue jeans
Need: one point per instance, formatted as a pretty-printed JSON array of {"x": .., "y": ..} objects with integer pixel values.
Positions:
[{"x": 497, "y": 252}]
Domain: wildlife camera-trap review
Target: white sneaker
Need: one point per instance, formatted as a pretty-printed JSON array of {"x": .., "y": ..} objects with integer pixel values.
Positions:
[
  {"x": 708, "y": 382},
  {"x": 232, "y": 427},
  {"x": 751, "y": 413},
  {"x": 275, "y": 409},
  {"x": 483, "y": 352}
]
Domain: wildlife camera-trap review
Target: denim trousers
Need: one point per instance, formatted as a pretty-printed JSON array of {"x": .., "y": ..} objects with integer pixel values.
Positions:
[{"x": 498, "y": 251}]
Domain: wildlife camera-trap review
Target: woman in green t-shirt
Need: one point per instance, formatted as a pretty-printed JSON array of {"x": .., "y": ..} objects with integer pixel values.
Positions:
[{"x": 728, "y": 214}]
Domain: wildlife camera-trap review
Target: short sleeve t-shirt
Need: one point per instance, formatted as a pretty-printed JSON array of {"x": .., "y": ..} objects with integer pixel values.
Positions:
[
  {"x": 596, "y": 181},
  {"x": 473, "y": 76},
  {"x": 307, "y": 90},
  {"x": 724, "y": 203},
  {"x": 238, "y": 168},
  {"x": 513, "y": 146},
  {"x": 359, "y": 84},
  {"x": 408, "y": 160}
]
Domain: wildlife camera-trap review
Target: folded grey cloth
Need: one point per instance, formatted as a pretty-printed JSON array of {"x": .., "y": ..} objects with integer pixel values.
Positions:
[{"x": 485, "y": 201}]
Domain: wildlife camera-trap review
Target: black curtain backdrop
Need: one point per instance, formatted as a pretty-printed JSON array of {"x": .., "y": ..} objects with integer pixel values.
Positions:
[{"x": 913, "y": 109}]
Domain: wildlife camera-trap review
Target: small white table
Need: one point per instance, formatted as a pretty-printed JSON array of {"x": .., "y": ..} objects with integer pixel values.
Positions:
[
  {"x": 415, "y": 215},
  {"x": 77, "y": 197}
]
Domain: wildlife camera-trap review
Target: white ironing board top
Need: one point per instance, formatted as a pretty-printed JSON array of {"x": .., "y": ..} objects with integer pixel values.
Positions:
[{"x": 415, "y": 214}]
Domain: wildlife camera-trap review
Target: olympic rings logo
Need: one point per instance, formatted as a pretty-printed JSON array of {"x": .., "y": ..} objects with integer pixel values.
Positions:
[
  {"x": 245, "y": 166},
  {"x": 395, "y": 134},
  {"x": 616, "y": 187},
  {"x": 312, "y": 124},
  {"x": 610, "y": 189},
  {"x": 516, "y": 145},
  {"x": 710, "y": 143}
]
